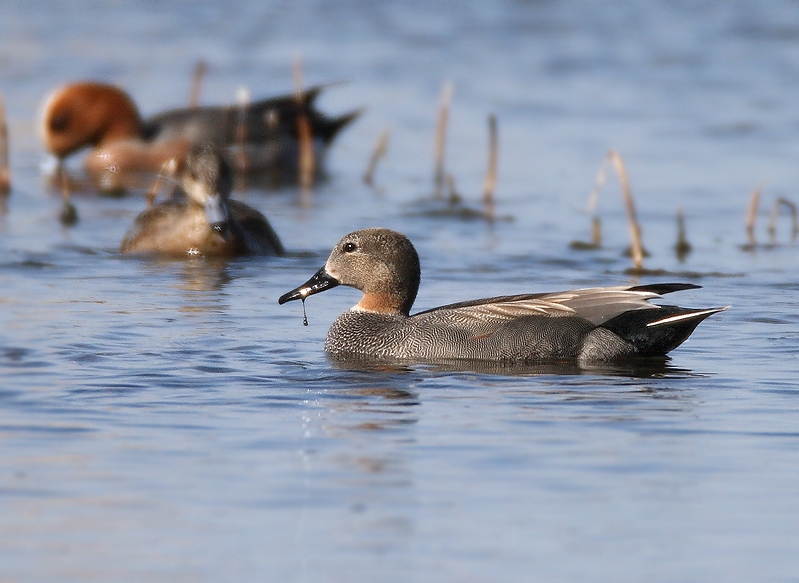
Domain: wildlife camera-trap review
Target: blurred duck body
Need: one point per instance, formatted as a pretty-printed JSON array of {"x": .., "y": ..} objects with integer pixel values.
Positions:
[
  {"x": 200, "y": 219},
  {"x": 264, "y": 135}
]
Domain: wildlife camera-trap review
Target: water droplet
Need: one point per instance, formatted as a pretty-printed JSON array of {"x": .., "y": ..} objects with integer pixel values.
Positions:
[{"x": 304, "y": 316}]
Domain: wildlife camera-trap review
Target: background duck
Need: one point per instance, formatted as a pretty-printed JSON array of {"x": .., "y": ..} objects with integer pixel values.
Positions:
[
  {"x": 597, "y": 324},
  {"x": 200, "y": 218},
  {"x": 105, "y": 118}
]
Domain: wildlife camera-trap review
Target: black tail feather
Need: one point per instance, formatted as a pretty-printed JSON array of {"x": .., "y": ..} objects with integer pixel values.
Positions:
[
  {"x": 664, "y": 288},
  {"x": 656, "y": 332}
]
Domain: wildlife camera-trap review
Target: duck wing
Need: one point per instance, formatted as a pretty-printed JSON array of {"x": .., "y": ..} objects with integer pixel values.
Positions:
[
  {"x": 264, "y": 120},
  {"x": 597, "y": 305},
  {"x": 255, "y": 228}
]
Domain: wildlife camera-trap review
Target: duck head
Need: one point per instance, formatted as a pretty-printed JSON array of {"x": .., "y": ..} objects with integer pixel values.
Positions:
[
  {"x": 87, "y": 114},
  {"x": 207, "y": 179},
  {"x": 382, "y": 263}
]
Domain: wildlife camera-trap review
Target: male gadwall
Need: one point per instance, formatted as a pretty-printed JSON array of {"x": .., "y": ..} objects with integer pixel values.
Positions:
[
  {"x": 200, "y": 218},
  {"x": 104, "y": 117},
  {"x": 589, "y": 325}
]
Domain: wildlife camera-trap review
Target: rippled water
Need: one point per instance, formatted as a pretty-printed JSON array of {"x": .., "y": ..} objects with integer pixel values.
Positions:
[{"x": 168, "y": 421}]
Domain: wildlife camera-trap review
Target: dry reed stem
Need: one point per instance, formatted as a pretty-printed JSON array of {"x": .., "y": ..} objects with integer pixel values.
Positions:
[
  {"x": 683, "y": 247},
  {"x": 168, "y": 169},
  {"x": 5, "y": 172},
  {"x": 196, "y": 83},
  {"x": 379, "y": 152},
  {"x": 441, "y": 132},
  {"x": 69, "y": 214},
  {"x": 243, "y": 99},
  {"x": 491, "y": 174},
  {"x": 599, "y": 182},
  {"x": 751, "y": 216},
  {"x": 772, "y": 227},
  {"x": 596, "y": 231},
  {"x": 64, "y": 182},
  {"x": 636, "y": 247},
  {"x": 307, "y": 163}
]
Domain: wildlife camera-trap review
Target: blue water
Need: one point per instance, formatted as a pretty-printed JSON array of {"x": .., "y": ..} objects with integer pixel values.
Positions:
[{"x": 168, "y": 421}]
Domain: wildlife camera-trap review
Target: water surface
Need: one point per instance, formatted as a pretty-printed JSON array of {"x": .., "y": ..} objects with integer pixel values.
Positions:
[{"x": 168, "y": 421}]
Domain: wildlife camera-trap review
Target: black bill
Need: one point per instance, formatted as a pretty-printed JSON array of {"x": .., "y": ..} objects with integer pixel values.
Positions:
[{"x": 320, "y": 281}]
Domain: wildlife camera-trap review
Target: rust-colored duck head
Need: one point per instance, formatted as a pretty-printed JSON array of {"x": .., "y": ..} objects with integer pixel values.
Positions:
[{"x": 87, "y": 114}]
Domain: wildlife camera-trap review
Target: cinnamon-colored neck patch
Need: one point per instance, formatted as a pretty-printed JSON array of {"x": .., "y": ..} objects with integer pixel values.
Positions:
[{"x": 379, "y": 302}]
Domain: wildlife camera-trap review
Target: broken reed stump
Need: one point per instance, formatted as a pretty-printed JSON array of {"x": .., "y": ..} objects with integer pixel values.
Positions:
[
  {"x": 69, "y": 214},
  {"x": 772, "y": 226},
  {"x": 379, "y": 152},
  {"x": 5, "y": 172},
  {"x": 243, "y": 102},
  {"x": 636, "y": 248},
  {"x": 453, "y": 198},
  {"x": 441, "y": 134},
  {"x": 596, "y": 237},
  {"x": 168, "y": 170},
  {"x": 596, "y": 232},
  {"x": 307, "y": 163},
  {"x": 751, "y": 218},
  {"x": 491, "y": 174},
  {"x": 637, "y": 251},
  {"x": 196, "y": 83},
  {"x": 682, "y": 248}
]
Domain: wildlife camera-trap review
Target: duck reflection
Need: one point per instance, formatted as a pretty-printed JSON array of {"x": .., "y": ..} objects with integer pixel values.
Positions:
[
  {"x": 653, "y": 367},
  {"x": 210, "y": 274}
]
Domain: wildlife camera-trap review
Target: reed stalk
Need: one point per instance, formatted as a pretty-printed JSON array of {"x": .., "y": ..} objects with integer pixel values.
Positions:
[
  {"x": 441, "y": 132},
  {"x": 196, "y": 83},
  {"x": 772, "y": 227},
  {"x": 491, "y": 174},
  {"x": 5, "y": 171},
  {"x": 168, "y": 169},
  {"x": 69, "y": 214},
  {"x": 379, "y": 152},
  {"x": 307, "y": 162},
  {"x": 682, "y": 247},
  {"x": 636, "y": 248},
  {"x": 243, "y": 101},
  {"x": 751, "y": 216}
]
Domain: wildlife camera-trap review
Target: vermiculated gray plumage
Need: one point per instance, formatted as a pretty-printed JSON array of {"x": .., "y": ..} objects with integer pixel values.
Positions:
[{"x": 589, "y": 325}]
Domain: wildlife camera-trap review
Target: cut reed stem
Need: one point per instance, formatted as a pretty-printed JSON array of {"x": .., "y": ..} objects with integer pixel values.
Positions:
[
  {"x": 636, "y": 248},
  {"x": 307, "y": 163},
  {"x": 682, "y": 247},
  {"x": 379, "y": 152},
  {"x": 196, "y": 83},
  {"x": 5, "y": 172},
  {"x": 491, "y": 173},
  {"x": 596, "y": 231},
  {"x": 441, "y": 132},
  {"x": 69, "y": 214},
  {"x": 243, "y": 101},
  {"x": 751, "y": 216},
  {"x": 772, "y": 227},
  {"x": 168, "y": 169}
]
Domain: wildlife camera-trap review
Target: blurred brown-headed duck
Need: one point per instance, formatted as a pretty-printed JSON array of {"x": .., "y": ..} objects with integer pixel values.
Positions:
[{"x": 105, "y": 118}]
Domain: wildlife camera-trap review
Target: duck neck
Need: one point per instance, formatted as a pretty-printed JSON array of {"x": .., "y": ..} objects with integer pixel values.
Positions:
[
  {"x": 382, "y": 303},
  {"x": 121, "y": 120}
]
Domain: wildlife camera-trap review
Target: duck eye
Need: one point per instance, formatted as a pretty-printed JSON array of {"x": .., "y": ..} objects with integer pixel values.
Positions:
[
  {"x": 349, "y": 247},
  {"x": 59, "y": 122}
]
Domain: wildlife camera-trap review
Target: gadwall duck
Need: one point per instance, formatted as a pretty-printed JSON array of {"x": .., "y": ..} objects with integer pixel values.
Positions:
[
  {"x": 105, "y": 118},
  {"x": 587, "y": 325},
  {"x": 200, "y": 218}
]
